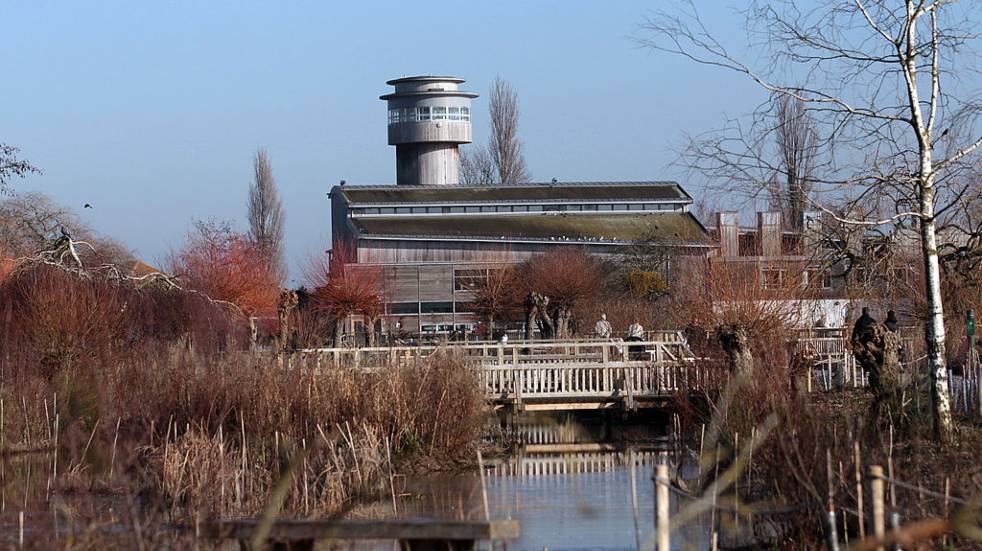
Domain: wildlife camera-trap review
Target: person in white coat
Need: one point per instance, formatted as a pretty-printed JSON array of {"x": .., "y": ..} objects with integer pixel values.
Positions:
[{"x": 602, "y": 329}]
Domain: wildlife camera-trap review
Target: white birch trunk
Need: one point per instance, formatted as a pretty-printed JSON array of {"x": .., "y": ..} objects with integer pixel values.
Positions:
[
  {"x": 934, "y": 331},
  {"x": 934, "y": 327}
]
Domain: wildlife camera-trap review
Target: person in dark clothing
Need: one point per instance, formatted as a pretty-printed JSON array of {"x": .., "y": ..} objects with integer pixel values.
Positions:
[
  {"x": 867, "y": 345},
  {"x": 865, "y": 321},
  {"x": 891, "y": 321}
]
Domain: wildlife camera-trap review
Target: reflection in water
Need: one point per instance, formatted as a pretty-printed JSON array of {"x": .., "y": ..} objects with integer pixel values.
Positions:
[
  {"x": 568, "y": 488},
  {"x": 581, "y": 500}
]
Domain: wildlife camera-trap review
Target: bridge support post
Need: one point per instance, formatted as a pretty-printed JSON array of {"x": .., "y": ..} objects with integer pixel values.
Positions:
[{"x": 629, "y": 383}]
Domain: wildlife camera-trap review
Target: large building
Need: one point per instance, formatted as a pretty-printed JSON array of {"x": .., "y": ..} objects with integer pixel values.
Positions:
[{"x": 432, "y": 236}]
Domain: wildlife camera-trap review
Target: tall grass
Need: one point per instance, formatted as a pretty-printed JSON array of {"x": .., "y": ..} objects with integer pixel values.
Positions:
[{"x": 153, "y": 391}]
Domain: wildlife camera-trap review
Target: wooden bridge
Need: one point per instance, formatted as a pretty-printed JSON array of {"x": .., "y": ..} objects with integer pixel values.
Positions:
[{"x": 554, "y": 375}]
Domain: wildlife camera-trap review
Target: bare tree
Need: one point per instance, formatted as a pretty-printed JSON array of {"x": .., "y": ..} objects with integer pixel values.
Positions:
[
  {"x": 476, "y": 167},
  {"x": 796, "y": 144},
  {"x": 895, "y": 138},
  {"x": 496, "y": 294},
  {"x": 554, "y": 283},
  {"x": 266, "y": 216},
  {"x": 505, "y": 148},
  {"x": 11, "y": 166},
  {"x": 29, "y": 221}
]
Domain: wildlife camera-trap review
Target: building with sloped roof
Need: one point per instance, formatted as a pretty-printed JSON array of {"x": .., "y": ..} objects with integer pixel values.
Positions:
[{"x": 432, "y": 236}]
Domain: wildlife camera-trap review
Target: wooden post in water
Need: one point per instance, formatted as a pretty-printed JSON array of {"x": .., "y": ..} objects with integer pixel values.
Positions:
[
  {"x": 634, "y": 498},
  {"x": 879, "y": 508},
  {"x": 662, "y": 539},
  {"x": 484, "y": 487}
]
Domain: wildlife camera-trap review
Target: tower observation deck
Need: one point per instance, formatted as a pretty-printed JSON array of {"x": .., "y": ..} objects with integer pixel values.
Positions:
[{"x": 429, "y": 117}]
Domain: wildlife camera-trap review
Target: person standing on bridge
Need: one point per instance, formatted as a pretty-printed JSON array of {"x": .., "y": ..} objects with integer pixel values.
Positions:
[
  {"x": 602, "y": 329},
  {"x": 635, "y": 333}
]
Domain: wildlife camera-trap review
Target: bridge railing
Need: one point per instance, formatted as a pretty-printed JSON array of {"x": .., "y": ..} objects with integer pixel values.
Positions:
[
  {"x": 615, "y": 380},
  {"x": 672, "y": 348}
]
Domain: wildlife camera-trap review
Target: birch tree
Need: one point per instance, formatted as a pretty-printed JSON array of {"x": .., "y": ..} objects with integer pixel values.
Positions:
[{"x": 877, "y": 78}]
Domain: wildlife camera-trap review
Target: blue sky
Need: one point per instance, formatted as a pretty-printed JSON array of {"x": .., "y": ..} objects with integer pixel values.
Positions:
[{"x": 151, "y": 112}]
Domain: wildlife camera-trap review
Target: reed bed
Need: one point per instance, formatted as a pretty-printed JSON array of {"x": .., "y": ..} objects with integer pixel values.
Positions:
[{"x": 214, "y": 435}]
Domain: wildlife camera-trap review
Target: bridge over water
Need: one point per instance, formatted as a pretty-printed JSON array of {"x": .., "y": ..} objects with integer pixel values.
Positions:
[
  {"x": 613, "y": 374},
  {"x": 556, "y": 375}
]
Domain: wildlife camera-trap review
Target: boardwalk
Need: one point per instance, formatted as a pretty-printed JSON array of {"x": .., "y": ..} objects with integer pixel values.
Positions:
[
  {"x": 556, "y": 375},
  {"x": 614, "y": 374}
]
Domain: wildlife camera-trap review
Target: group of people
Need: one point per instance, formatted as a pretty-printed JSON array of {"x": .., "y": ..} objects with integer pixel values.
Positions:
[{"x": 603, "y": 329}]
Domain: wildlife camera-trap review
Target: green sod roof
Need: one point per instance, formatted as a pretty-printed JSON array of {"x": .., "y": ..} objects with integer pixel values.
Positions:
[
  {"x": 574, "y": 228},
  {"x": 536, "y": 192}
]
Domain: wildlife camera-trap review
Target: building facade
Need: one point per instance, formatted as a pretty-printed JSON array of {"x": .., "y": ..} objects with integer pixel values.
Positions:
[{"x": 432, "y": 238}]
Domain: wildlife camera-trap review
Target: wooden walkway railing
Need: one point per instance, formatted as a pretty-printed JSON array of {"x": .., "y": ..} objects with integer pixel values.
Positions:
[
  {"x": 668, "y": 346},
  {"x": 571, "y": 374}
]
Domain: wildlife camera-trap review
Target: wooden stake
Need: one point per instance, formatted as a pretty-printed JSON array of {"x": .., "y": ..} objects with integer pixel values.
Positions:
[
  {"x": 54, "y": 460},
  {"x": 634, "y": 499},
  {"x": 736, "y": 483},
  {"x": 859, "y": 490},
  {"x": 392, "y": 484},
  {"x": 845, "y": 529},
  {"x": 702, "y": 438},
  {"x": 661, "y": 505},
  {"x": 712, "y": 510},
  {"x": 484, "y": 487},
  {"x": 947, "y": 494},
  {"x": 879, "y": 506},
  {"x": 833, "y": 534}
]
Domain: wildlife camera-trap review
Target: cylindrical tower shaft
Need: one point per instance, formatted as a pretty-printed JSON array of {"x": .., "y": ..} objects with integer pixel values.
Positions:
[
  {"x": 429, "y": 117},
  {"x": 427, "y": 164}
]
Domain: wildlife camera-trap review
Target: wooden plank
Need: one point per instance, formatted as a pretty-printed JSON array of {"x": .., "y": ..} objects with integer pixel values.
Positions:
[{"x": 395, "y": 529}]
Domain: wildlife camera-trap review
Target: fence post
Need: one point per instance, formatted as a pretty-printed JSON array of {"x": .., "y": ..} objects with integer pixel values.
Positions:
[
  {"x": 876, "y": 490},
  {"x": 859, "y": 490},
  {"x": 661, "y": 508}
]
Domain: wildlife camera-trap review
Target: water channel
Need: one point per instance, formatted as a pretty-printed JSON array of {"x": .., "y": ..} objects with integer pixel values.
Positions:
[
  {"x": 568, "y": 482},
  {"x": 569, "y": 485}
]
